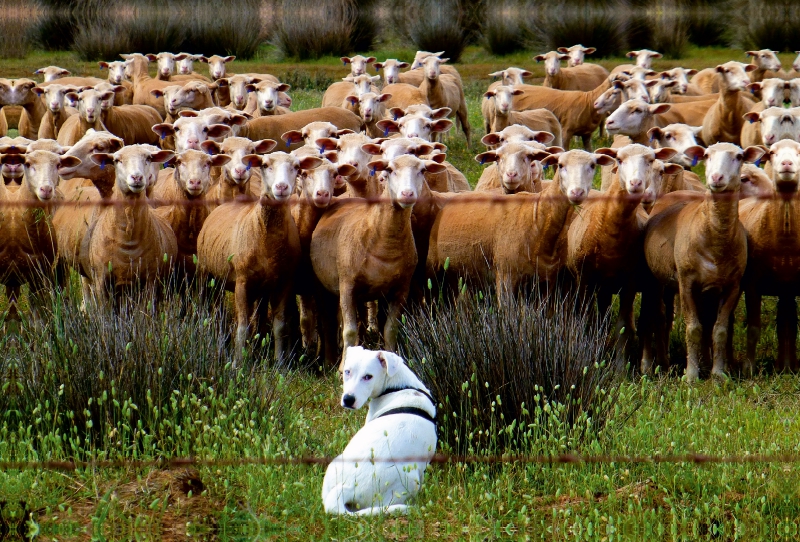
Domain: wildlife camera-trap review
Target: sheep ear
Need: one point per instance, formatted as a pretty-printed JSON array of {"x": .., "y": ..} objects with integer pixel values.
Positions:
[
  {"x": 101, "y": 158},
  {"x": 551, "y": 160},
  {"x": 69, "y": 162},
  {"x": 283, "y": 87},
  {"x": 490, "y": 140},
  {"x": 325, "y": 144},
  {"x": 331, "y": 156},
  {"x": 353, "y": 100},
  {"x": 554, "y": 150},
  {"x": 378, "y": 65},
  {"x": 654, "y": 133},
  {"x": 660, "y": 109},
  {"x": 750, "y": 53},
  {"x": 388, "y": 126},
  {"x": 441, "y": 125},
  {"x": 754, "y": 87},
  {"x": 691, "y": 72},
  {"x": 424, "y": 149},
  {"x": 390, "y": 361},
  {"x": 589, "y": 50},
  {"x": 151, "y": 57},
  {"x": 440, "y": 113},
  {"x": 488, "y": 156},
  {"x": 292, "y": 136},
  {"x": 218, "y": 130},
  {"x": 752, "y": 117},
  {"x": 543, "y": 137},
  {"x": 657, "y": 55},
  {"x": 517, "y": 92},
  {"x": 372, "y": 148},
  {"x": 538, "y": 155},
  {"x": 180, "y": 56},
  {"x": 188, "y": 113},
  {"x": 345, "y": 60},
  {"x": 211, "y": 147},
  {"x": 219, "y": 160},
  {"x": 345, "y": 170},
  {"x": 397, "y": 112},
  {"x": 750, "y": 68},
  {"x": 379, "y": 165},
  {"x": 653, "y": 82},
  {"x": 525, "y": 73},
  {"x": 265, "y": 145},
  {"x": 403, "y": 64},
  {"x": 696, "y": 153},
  {"x": 665, "y": 153},
  {"x": 538, "y": 58},
  {"x": 562, "y": 50},
  {"x": 344, "y": 131},
  {"x": 501, "y": 73},
  {"x": 604, "y": 160},
  {"x": 103, "y": 64},
  {"x": 751, "y": 154},
  {"x": 432, "y": 166},
  {"x": 606, "y": 151},
  {"x": 632, "y": 54},
  {"x": 162, "y": 156},
  {"x": 439, "y": 158},
  {"x": 384, "y": 97},
  {"x": 37, "y": 90},
  {"x": 310, "y": 162},
  {"x": 252, "y": 160},
  {"x": 371, "y": 59},
  {"x": 229, "y": 59},
  {"x": 672, "y": 169},
  {"x": 164, "y": 130}
]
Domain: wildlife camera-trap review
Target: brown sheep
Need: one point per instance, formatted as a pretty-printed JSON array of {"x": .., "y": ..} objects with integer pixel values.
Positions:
[
  {"x": 442, "y": 90},
  {"x": 253, "y": 248},
  {"x": 116, "y": 76},
  {"x": 503, "y": 115},
  {"x": 274, "y": 127},
  {"x": 364, "y": 251},
  {"x": 127, "y": 244},
  {"x": 143, "y": 84},
  {"x": 516, "y": 169},
  {"x": 697, "y": 248},
  {"x": 88, "y": 103},
  {"x": 53, "y": 96},
  {"x": 237, "y": 179},
  {"x": 584, "y": 77},
  {"x": 723, "y": 122}
]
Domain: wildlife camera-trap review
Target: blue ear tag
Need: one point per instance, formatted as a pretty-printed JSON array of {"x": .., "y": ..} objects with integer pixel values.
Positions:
[
  {"x": 377, "y": 69},
  {"x": 652, "y": 137},
  {"x": 694, "y": 161},
  {"x": 386, "y": 132},
  {"x": 344, "y": 63},
  {"x": 372, "y": 172},
  {"x": 395, "y": 116},
  {"x": 758, "y": 162},
  {"x": 483, "y": 160},
  {"x": 248, "y": 167},
  {"x": 163, "y": 135},
  {"x": 750, "y": 121},
  {"x": 103, "y": 165},
  {"x": 288, "y": 143}
]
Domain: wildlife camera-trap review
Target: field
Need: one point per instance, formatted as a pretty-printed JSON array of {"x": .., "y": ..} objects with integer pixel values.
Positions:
[{"x": 74, "y": 397}]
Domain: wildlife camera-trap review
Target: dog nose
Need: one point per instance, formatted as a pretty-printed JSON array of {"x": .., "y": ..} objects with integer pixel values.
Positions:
[{"x": 348, "y": 400}]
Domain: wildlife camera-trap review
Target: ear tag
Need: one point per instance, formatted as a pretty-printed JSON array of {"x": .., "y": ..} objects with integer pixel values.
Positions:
[
  {"x": 377, "y": 69},
  {"x": 483, "y": 160},
  {"x": 248, "y": 167},
  {"x": 652, "y": 137},
  {"x": 344, "y": 63},
  {"x": 750, "y": 121},
  {"x": 372, "y": 172},
  {"x": 395, "y": 116},
  {"x": 163, "y": 135},
  {"x": 545, "y": 167},
  {"x": 758, "y": 162},
  {"x": 103, "y": 165},
  {"x": 288, "y": 143},
  {"x": 694, "y": 161},
  {"x": 386, "y": 132}
]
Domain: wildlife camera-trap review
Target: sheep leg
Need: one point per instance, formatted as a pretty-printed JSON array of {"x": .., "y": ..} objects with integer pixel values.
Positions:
[
  {"x": 587, "y": 142},
  {"x": 729, "y": 300},
  {"x": 308, "y": 320},
  {"x": 787, "y": 333},
  {"x": 347, "y": 304},
  {"x": 241, "y": 300},
  {"x": 393, "y": 319},
  {"x": 752, "y": 301},
  {"x": 463, "y": 118},
  {"x": 694, "y": 331},
  {"x": 648, "y": 323},
  {"x": 279, "y": 326},
  {"x": 625, "y": 330}
]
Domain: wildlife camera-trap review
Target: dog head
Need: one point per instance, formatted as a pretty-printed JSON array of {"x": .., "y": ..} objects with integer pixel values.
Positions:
[{"x": 365, "y": 374}]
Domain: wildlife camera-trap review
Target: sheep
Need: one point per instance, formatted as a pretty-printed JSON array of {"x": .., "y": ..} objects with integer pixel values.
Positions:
[
  {"x": 415, "y": 125},
  {"x": 605, "y": 237},
  {"x": 336, "y": 94},
  {"x": 57, "y": 112},
  {"x": 28, "y": 244},
  {"x": 180, "y": 195},
  {"x": 644, "y": 57},
  {"x": 681, "y": 78},
  {"x": 762, "y": 62},
  {"x": 21, "y": 92},
  {"x": 774, "y": 247},
  {"x": 133, "y": 123},
  {"x": 509, "y": 77},
  {"x": 517, "y": 169},
  {"x": 519, "y": 238},
  {"x": 391, "y": 70},
  {"x": 794, "y": 92},
  {"x": 348, "y": 149},
  {"x": 189, "y": 132},
  {"x": 535, "y": 119},
  {"x": 116, "y": 76},
  {"x": 253, "y": 249},
  {"x": 52, "y": 73},
  {"x": 236, "y": 87},
  {"x": 516, "y": 133},
  {"x": 403, "y": 96},
  {"x": 574, "y": 109},
  {"x": 583, "y": 77},
  {"x": 358, "y": 64},
  {"x": 755, "y": 183},
  {"x": 194, "y": 95},
  {"x": 675, "y": 136},
  {"x": 89, "y": 116},
  {"x": 316, "y": 188},
  {"x": 771, "y": 125},
  {"x": 186, "y": 63},
  {"x": 370, "y": 108},
  {"x": 273, "y": 127},
  {"x": 416, "y": 74},
  {"x": 143, "y": 83},
  {"x": 443, "y": 90},
  {"x": 310, "y": 134},
  {"x": 365, "y": 251},
  {"x": 268, "y": 97},
  {"x": 237, "y": 179},
  {"x": 723, "y": 122},
  {"x": 576, "y": 54},
  {"x": 12, "y": 171},
  {"x": 698, "y": 248},
  {"x": 216, "y": 65},
  {"x": 127, "y": 244}
]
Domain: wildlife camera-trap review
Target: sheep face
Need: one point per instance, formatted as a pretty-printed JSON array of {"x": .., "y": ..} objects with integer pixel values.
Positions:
[
  {"x": 238, "y": 86},
  {"x": 190, "y": 132},
  {"x": 516, "y": 133},
  {"x": 734, "y": 75},
  {"x": 503, "y": 98},
  {"x": 369, "y": 105},
  {"x": 576, "y": 171},
  {"x": 237, "y": 148},
  {"x": 517, "y": 163},
  {"x": 349, "y": 150},
  {"x": 279, "y": 173},
  {"x": 54, "y": 96},
  {"x": 644, "y": 57},
  {"x": 676, "y": 136},
  {"x": 512, "y": 76},
  {"x": 415, "y": 126},
  {"x": 42, "y": 170},
  {"x": 772, "y": 91},
  {"x": 116, "y": 71},
  {"x": 681, "y": 78},
  {"x": 193, "y": 170},
  {"x": 608, "y": 101},
  {"x": 358, "y": 64},
  {"x": 165, "y": 63},
  {"x": 391, "y": 70},
  {"x": 216, "y": 65},
  {"x": 17, "y": 91},
  {"x": 576, "y": 54},
  {"x": 778, "y": 123},
  {"x": 724, "y": 163},
  {"x": 636, "y": 164},
  {"x": 186, "y": 62},
  {"x": 267, "y": 94},
  {"x": 405, "y": 177},
  {"x": 552, "y": 62},
  {"x": 765, "y": 59},
  {"x": 133, "y": 166},
  {"x": 318, "y": 184},
  {"x": 172, "y": 98},
  {"x": 635, "y": 89},
  {"x": 630, "y": 117},
  {"x": 659, "y": 92},
  {"x": 785, "y": 159},
  {"x": 89, "y": 103},
  {"x": 92, "y": 142},
  {"x": 431, "y": 66}
]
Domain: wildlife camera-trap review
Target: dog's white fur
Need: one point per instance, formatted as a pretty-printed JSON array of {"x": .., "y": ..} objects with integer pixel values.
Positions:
[{"x": 383, "y": 465}]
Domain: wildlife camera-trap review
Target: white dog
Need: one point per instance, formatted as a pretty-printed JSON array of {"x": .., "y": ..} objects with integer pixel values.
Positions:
[{"x": 383, "y": 465}]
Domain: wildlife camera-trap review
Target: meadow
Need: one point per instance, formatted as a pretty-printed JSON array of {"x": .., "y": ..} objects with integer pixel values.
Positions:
[{"x": 140, "y": 386}]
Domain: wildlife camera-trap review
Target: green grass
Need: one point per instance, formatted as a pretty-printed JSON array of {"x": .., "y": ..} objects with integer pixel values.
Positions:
[{"x": 459, "y": 502}]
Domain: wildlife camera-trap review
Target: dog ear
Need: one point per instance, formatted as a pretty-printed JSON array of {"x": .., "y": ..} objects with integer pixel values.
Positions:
[{"x": 390, "y": 361}]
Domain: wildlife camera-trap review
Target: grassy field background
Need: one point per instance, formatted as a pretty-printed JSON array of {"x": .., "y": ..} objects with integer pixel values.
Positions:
[{"x": 260, "y": 415}]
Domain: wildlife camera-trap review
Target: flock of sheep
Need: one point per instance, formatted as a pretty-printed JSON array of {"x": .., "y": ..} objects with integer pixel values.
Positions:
[{"x": 327, "y": 212}]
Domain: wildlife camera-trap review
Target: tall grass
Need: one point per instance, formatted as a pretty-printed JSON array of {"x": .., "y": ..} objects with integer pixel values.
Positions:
[
  {"x": 447, "y": 25},
  {"x": 501, "y": 28},
  {"x": 514, "y": 370}
]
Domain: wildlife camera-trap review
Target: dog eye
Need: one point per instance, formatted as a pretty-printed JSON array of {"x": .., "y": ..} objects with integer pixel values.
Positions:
[{"x": 367, "y": 377}]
